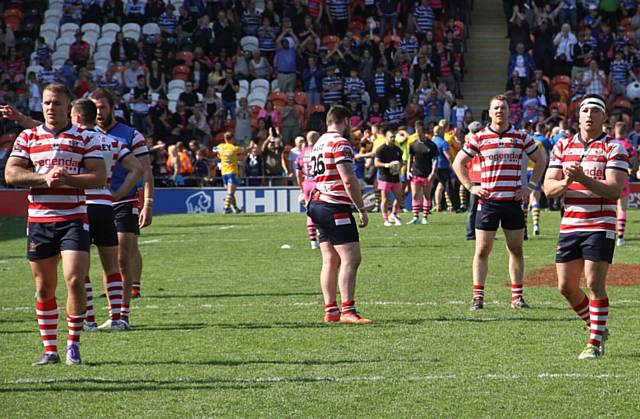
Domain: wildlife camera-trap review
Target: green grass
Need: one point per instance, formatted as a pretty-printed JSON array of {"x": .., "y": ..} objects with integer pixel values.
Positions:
[{"x": 230, "y": 325}]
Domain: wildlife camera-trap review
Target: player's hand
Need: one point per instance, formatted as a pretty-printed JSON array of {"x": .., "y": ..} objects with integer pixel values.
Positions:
[
  {"x": 9, "y": 112},
  {"x": 145, "y": 216},
  {"x": 479, "y": 191},
  {"x": 364, "y": 219},
  {"x": 55, "y": 177},
  {"x": 575, "y": 172},
  {"x": 409, "y": 175},
  {"x": 522, "y": 194}
]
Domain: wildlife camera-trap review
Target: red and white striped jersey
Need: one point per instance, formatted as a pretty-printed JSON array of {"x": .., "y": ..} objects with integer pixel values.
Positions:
[
  {"x": 584, "y": 210},
  {"x": 501, "y": 157},
  {"x": 330, "y": 150},
  {"x": 112, "y": 151},
  {"x": 46, "y": 150}
]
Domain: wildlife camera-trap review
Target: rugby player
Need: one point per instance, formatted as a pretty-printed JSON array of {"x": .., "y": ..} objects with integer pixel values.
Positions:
[
  {"x": 501, "y": 148},
  {"x": 229, "y": 152},
  {"x": 620, "y": 131},
  {"x": 421, "y": 170},
  {"x": 589, "y": 169},
  {"x": 57, "y": 161},
  {"x": 307, "y": 183},
  {"x": 389, "y": 161},
  {"x": 337, "y": 188}
]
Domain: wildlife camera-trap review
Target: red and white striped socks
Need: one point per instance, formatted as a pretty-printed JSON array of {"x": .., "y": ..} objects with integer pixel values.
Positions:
[
  {"x": 115, "y": 293},
  {"x": 598, "y": 316},
  {"x": 622, "y": 223},
  {"x": 311, "y": 230},
  {"x": 135, "y": 290},
  {"x": 517, "y": 292},
  {"x": 74, "y": 324},
  {"x": 348, "y": 307},
  {"x": 478, "y": 292},
  {"x": 332, "y": 309},
  {"x": 89, "y": 314},
  {"x": 582, "y": 310},
  {"x": 47, "y": 313}
]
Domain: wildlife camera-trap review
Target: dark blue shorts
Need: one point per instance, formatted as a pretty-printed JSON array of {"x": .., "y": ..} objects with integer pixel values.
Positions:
[
  {"x": 230, "y": 179},
  {"x": 45, "y": 240},
  {"x": 596, "y": 246},
  {"x": 127, "y": 215},
  {"x": 334, "y": 222},
  {"x": 507, "y": 214},
  {"x": 102, "y": 225}
]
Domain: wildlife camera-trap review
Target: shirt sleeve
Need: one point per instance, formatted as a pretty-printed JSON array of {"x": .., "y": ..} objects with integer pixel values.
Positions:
[
  {"x": 342, "y": 152},
  {"x": 555, "y": 159},
  {"x": 471, "y": 147},
  {"x": 139, "y": 144},
  {"x": 21, "y": 146},
  {"x": 530, "y": 146},
  {"x": 123, "y": 151},
  {"x": 617, "y": 157}
]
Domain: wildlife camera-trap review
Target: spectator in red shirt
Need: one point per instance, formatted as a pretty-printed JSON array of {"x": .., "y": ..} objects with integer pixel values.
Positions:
[{"x": 79, "y": 50}]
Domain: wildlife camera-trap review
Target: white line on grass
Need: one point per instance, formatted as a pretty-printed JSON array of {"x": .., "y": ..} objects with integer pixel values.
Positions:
[{"x": 371, "y": 378}]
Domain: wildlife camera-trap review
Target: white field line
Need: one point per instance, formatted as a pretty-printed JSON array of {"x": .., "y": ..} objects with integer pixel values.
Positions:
[
  {"x": 311, "y": 379},
  {"x": 150, "y": 241},
  {"x": 315, "y": 303}
]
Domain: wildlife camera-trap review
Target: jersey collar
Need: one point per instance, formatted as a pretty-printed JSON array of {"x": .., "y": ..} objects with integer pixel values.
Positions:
[{"x": 56, "y": 133}]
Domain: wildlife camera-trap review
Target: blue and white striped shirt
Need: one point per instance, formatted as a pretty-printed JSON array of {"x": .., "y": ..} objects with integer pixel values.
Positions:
[
  {"x": 331, "y": 96},
  {"x": 409, "y": 46},
  {"x": 339, "y": 9},
  {"x": 378, "y": 82},
  {"x": 134, "y": 8},
  {"x": 268, "y": 41},
  {"x": 394, "y": 115},
  {"x": 168, "y": 23},
  {"x": 353, "y": 89},
  {"x": 620, "y": 71},
  {"x": 424, "y": 18}
]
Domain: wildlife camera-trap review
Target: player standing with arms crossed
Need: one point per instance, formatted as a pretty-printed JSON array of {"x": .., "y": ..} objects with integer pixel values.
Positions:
[
  {"x": 337, "y": 188},
  {"x": 589, "y": 169},
  {"x": 57, "y": 161},
  {"x": 501, "y": 148},
  {"x": 129, "y": 218}
]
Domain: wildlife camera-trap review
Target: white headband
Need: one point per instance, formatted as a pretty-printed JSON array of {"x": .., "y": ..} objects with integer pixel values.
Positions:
[{"x": 593, "y": 102}]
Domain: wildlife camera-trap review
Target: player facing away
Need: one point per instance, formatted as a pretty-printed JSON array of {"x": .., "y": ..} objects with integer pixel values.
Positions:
[
  {"x": 229, "y": 152},
  {"x": 57, "y": 161},
  {"x": 501, "y": 148},
  {"x": 102, "y": 228},
  {"x": 129, "y": 217},
  {"x": 620, "y": 131},
  {"x": 388, "y": 161},
  {"x": 589, "y": 169},
  {"x": 307, "y": 183},
  {"x": 421, "y": 170},
  {"x": 337, "y": 188}
]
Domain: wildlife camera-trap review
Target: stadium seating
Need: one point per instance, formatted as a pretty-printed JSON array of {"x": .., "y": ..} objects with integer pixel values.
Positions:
[
  {"x": 176, "y": 86},
  {"x": 150, "y": 29},
  {"x": 249, "y": 43},
  {"x": 68, "y": 29},
  {"x": 181, "y": 72}
]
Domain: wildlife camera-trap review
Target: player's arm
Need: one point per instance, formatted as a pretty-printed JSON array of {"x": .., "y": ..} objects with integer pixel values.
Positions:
[
  {"x": 146, "y": 213},
  {"x": 12, "y": 114},
  {"x": 434, "y": 169},
  {"x": 18, "y": 173},
  {"x": 94, "y": 176},
  {"x": 135, "y": 172},
  {"x": 609, "y": 188},
  {"x": 410, "y": 163},
  {"x": 462, "y": 172},
  {"x": 300, "y": 178},
  {"x": 540, "y": 158},
  {"x": 351, "y": 185},
  {"x": 555, "y": 183}
]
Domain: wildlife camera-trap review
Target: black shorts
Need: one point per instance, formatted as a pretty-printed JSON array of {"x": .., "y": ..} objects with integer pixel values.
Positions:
[
  {"x": 334, "y": 222},
  {"x": 596, "y": 246},
  {"x": 508, "y": 214},
  {"x": 102, "y": 225},
  {"x": 443, "y": 175},
  {"x": 45, "y": 240},
  {"x": 127, "y": 215}
]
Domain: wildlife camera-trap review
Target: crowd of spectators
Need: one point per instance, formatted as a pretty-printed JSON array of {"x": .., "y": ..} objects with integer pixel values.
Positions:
[
  {"x": 563, "y": 50},
  {"x": 389, "y": 61}
]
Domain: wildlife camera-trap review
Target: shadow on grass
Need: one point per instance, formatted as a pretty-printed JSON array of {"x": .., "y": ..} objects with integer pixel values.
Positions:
[
  {"x": 238, "y": 295},
  {"x": 118, "y": 386},
  {"x": 196, "y": 225},
  {"x": 240, "y": 363},
  {"x": 164, "y": 327}
]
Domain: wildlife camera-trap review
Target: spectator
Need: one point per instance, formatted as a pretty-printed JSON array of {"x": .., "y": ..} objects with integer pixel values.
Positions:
[
  {"x": 522, "y": 63},
  {"x": 388, "y": 11},
  {"x": 168, "y": 22},
  {"x": 153, "y": 9},
  {"x": 354, "y": 87},
  {"x": 228, "y": 87},
  {"x": 338, "y": 16},
  {"x": 132, "y": 73},
  {"x": 312, "y": 81},
  {"x": 394, "y": 114},
  {"x": 540, "y": 85},
  {"x": 159, "y": 156},
  {"x": 195, "y": 7},
  {"x": 564, "y": 42},
  {"x": 530, "y": 105},
  {"x": 267, "y": 39},
  {"x": 202, "y": 169},
  {"x": 578, "y": 88},
  {"x": 80, "y": 50},
  {"x": 7, "y": 38},
  {"x": 582, "y": 53},
  {"x": 518, "y": 31},
  {"x": 241, "y": 64},
  {"x": 43, "y": 51},
  {"x": 159, "y": 119},
  {"x": 620, "y": 74},
  {"x": 82, "y": 84},
  {"x": 112, "y": 80},
  {"x": 332, "y": 87},
  {"x": 251, "y": 19},
  {"x": 203, "y": 36},
  {"x": 270, "y": 115},
  {"x": 71, "y": 12},
  {"x": 198, "y": 126},
  {"x": 180, "y": 122},
  {"x": 290, "y": 122},
  {"x": 543, "y": 47},
  {"x": 285, "y": 62},
  {"x": 123, "y": 49},
  {"x": 459, "y": 112},
  {"x": 423, "y": 18},
  {"x": 569, "y": 13},
  {"x": 47, "y": 74},
  {"x": 224, "y": 34},
  {"x": 134, "y": 12},
  {"x": 214, "y": 109},
  {"x": 259, "y": 66},
  {"x": 594, "y": 79},
  {"x": 399, "y": 88},
  {"x": 113, "y": 11},
  {"x": 139, "y": 104},
  {"x": 35, "y": 96},
  {"x": 444, "y": 63},
  {"x": 273, "y": 159},
  {"x": 156, "y": 78},
  {"x": 188, "y": 23},
  {"x": 254, "y": 168},
  {"x": 243, "y": 123}
]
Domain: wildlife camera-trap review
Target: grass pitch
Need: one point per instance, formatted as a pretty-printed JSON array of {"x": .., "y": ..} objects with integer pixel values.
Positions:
[{"x": 230, "y": 324}]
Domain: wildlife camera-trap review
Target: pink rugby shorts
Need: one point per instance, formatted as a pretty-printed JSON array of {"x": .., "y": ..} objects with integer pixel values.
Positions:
[{"x": 421, "y": 181}]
